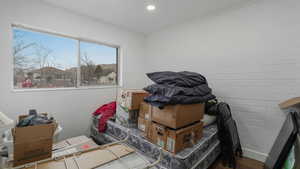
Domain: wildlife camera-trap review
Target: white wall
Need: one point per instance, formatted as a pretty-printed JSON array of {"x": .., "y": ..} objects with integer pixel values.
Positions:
[
  {"x": 72, "y": 108},
  {"x": 251, "y": 58}
]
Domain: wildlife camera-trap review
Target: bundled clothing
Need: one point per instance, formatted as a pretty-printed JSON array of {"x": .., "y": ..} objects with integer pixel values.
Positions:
[
  {"x": 34, "y": 119},
  {"x": 227, "y": 133},
  {"x": 104, "y": 113},
  {"x": 181, "y": 79},
  {"x": 177, "y": 88}
]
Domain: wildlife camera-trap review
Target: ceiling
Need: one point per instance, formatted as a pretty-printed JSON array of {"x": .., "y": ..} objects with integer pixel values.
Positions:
[{"x": 132, "y": 14}]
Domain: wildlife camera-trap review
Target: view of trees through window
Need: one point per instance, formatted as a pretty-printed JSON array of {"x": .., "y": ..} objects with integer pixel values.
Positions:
[
  {"x": 44, "y": 60},
  {"x": 93, "y": 71}
]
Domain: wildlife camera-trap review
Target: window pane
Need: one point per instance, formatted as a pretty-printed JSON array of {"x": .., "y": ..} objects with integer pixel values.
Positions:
[
  {"x": 43, "y": 61},
  {"x": 98, "y": 64}
]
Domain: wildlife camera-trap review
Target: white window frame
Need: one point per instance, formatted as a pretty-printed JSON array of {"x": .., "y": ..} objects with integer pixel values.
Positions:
[{"x": 78, "y": 74}]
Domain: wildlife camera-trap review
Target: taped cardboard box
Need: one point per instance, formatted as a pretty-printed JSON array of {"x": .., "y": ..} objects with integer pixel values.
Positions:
[
  {"x": 178, "y": 140},
  {"x": 145, "y": 119},
  {"x": 132, "y": 98},
  {"x": 175, "y": 141},
  {"x": 33, "y": 143},
  {"x": 145, "y": 111},
  {"x": 178, "y": 116},
  {"x": 159, "y": 134},
  {"x": 144, "y": 125}
]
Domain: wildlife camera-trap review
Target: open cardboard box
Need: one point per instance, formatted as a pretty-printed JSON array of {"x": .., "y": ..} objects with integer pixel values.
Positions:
[{"x": 32, "y": 143}]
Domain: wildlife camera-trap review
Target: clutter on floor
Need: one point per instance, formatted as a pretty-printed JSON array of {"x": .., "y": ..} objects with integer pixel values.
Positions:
[
  {"x": 174, "y": 127},
  {"x": 201, "y": 155},
  {"x": 86, "y": 154},
  {"x": 174, "y": 116},
  {"x": 29, "y": 140},
  {"x": 33, "y": 148},
  {"x": 33, "y": 138},
  {"x": 87, "y": 160},
  {"x": 83, "y": 153},
  {"x": 175, "y": 123}
]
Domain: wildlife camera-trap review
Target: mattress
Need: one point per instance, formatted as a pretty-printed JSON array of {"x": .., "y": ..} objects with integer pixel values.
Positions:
[{"x": 200, "y": 156}]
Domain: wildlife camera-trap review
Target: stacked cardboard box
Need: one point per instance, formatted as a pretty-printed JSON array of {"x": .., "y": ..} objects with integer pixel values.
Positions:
[
  {"x": 32, "y": 143},
  {"x": 125, "y": 117},
  {"x": 174, "y": 128},
  {"x": 128, "y": 107},
  {"x": 178, "y": 116},
  {"x": 132, "y": 98},
  {"x": 175, "y": 140},
  {"x": 145, "y": 119}
]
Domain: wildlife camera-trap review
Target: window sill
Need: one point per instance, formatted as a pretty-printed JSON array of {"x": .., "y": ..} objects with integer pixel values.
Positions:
[{"x": 65, "y": 89}]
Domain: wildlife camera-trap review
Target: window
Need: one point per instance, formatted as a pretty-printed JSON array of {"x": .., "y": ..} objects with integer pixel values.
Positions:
[
  {"x": 97, "y": 64},
  {"x": 43, "y": 60}
]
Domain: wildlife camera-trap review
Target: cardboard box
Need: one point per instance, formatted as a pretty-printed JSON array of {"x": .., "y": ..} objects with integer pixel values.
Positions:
[
  {"x": 73, "y": 145},
  {"x": 150, "y": 132},
  {"x": 178, "y": 140},
  {"x": 177, "y": 116},
  {"x": 144, "y": 125},
  {"x": 175, "y": 141},
  {"x": 131, "y": 98},
  {"x": 93, "y": 158},
  {"x": 32, "y": 143},
  {"x": 127, "y": 118},
  {"x": 159, "y": 135},
  {"x": 145, "y": 111}
]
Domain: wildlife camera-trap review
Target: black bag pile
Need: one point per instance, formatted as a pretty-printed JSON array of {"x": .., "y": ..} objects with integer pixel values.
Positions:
[
  {"x": 177, "y": 88},
  {"x": 227, "y": 133}
]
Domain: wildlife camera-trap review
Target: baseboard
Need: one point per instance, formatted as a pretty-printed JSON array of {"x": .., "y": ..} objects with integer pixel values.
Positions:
[{"x": 255, "y": 155}]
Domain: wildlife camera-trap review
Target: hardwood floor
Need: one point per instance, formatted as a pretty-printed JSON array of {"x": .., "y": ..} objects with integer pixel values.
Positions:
[{"x": 243, "y": 163}]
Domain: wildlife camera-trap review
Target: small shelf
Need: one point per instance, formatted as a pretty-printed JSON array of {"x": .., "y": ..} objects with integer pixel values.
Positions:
[{"x": 290, "y": 103}]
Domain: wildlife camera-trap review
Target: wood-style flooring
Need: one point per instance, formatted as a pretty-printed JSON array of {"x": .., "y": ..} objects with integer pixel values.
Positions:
[{"x": 243, "y": 163}]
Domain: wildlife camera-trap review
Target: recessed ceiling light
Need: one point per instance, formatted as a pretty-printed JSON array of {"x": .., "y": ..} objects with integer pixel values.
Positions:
[{"x": 151, "y": 7}]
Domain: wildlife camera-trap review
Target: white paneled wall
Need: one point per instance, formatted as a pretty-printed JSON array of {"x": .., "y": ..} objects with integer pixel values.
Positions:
[
  {"x": 72, "y": 108},
  {"x": 250, "y": 56}
]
